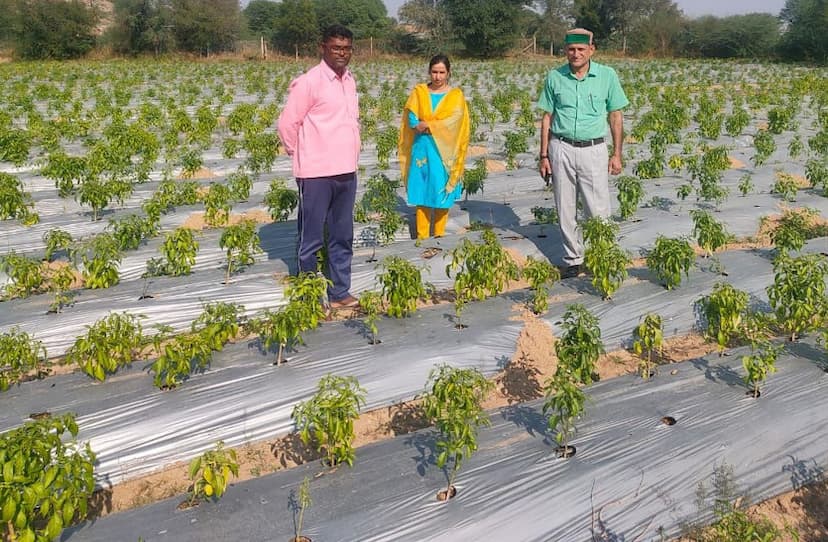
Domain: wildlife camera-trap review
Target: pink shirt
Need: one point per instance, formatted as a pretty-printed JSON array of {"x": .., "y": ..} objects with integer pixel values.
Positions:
[{"x": 319, "y": 125}]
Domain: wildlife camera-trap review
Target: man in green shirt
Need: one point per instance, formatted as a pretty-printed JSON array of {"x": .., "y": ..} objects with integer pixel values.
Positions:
[{"x": 578, "y": 99}]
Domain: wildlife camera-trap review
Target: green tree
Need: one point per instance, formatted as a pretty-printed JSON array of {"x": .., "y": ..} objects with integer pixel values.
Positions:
[
  {"x": 487, "y": 28},
  {"x": 297, "y": 27},
  {"x": 206, "y": 26},
  {"x": 805, "y": 37},
  {"x": 262, "y": 17},
  {"x": 428, "y": 19},
  {"x": 54, "y": 29},
  {"x": 365, "y": 18},
  {"x": 141, "y": 26}
]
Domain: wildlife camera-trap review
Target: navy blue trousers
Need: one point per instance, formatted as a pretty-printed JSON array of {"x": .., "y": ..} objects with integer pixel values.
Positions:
[{"x": 328, "y": 201}]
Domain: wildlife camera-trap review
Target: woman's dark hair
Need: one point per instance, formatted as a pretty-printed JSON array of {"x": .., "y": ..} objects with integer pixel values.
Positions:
[
  {"x": 337, "y": 31},
  {"x": 440, "y": 59}
]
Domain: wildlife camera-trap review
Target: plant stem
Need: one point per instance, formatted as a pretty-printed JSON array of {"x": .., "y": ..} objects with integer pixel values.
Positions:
[{"x": 279, "y": 355}]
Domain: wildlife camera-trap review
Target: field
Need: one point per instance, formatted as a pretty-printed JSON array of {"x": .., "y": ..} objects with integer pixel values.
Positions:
[{"x": 149, "y": 231}]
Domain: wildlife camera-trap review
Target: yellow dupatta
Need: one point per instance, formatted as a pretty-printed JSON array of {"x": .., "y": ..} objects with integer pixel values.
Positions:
[{"x": 449, "y": 125}]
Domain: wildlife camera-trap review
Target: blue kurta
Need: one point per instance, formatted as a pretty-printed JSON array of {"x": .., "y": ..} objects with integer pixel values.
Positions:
[{"x": 427, "y": 176}]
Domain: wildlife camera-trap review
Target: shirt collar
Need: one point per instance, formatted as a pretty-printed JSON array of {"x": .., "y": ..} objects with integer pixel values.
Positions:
[{"x": 331, "y": 75}]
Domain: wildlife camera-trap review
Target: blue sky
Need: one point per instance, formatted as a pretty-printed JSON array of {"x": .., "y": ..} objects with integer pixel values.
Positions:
[{"x": 693, "y": 8}]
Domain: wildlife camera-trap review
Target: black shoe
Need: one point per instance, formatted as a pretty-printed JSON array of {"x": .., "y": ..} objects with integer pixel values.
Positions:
[{"x": 571, "y": 271}]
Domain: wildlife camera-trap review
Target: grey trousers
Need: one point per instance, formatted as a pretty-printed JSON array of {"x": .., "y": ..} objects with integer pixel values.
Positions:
[{"x": 578, "y": 170}]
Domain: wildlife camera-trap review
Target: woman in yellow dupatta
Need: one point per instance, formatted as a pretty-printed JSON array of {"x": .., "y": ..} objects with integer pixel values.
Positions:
[{"x": 434, "y": 136}]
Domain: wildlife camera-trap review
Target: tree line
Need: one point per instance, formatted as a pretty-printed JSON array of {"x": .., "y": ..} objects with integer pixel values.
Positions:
[{"x": 60, "y": 29}]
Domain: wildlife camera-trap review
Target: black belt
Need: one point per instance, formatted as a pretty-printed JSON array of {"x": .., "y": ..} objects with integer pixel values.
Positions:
[{"x": 579, "y": 143}]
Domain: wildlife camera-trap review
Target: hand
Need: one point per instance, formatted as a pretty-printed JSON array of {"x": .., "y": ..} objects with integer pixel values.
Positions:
[
  {"x": 422, "y": 128},
  {"x": 615, "y": 165},
  {"x": 545, "y": 167}
]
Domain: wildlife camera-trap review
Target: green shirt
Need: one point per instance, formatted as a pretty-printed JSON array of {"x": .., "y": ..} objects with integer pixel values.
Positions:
[{"x": 579, "y": 107}]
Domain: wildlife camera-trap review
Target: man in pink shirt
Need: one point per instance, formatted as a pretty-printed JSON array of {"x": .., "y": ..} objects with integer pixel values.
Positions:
[{"x": 319, "y": 127}]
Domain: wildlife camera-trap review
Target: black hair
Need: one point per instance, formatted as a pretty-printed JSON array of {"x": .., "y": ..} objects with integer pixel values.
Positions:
[
  {"x": 337, "y": 31},
  {"x": 440, "y": 59}
]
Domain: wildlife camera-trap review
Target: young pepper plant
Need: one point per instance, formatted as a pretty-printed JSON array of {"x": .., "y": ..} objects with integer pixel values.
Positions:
[
  {"x": 402, "y": 285},
  {"x": 328, "y": 417},
  {"x": 540, "y": 274},
  {"x": 566, "y": 401},
  {"x": 669, "y": 258},
  {"x": 109, "y": 344},
  {"x": 20, "y": 355},
  {"x": 453, "y": 402},
  {"x": 648, "y": 337},
  {"x": 724, "y": 310},
  {"x": 604, "y": 258},
  {"x": 47, "y": 479},
  {"x": 241, "y": 242},
  {"x": 580, "y": 345},
  {"x": 211, "y": 473},
  {"x": 797, "y": 294},
  {"x": 760, "y": 363}
]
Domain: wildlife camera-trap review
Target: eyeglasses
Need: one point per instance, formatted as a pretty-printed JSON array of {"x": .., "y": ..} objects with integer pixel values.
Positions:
[{"x": 341, "y": 50}]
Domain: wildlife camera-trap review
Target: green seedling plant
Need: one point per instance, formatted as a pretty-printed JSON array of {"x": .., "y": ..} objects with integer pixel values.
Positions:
[
  {"x": 15, "y": 203},
  {"x": 474, "y": 178},
  {"x": 630, "y": 195},
  {"x": 60, "y": 281},
  {"x": 580, "y": 345},
  {"x": 56, "y": 240},
  {"x": 239, "y": 184},
  {"x": 797, "y": 294},
  {"x": 516, "y": 143},
  {"x": 282, "y": 328},
  {"x": 130, "y": 231},
  {"x": 760, "y": 363},
  {"x": 401, "y": 285},
  {"x": 100, "y": 257},
  {"x": 217, "y": 205},
  {"x": 179, "y": 249},
  {"x": 47, "y": 479},
  {"x": 218, "y": 323},
  {"x": 371, "y": 304},
  {"x": 795, "y": 227},
  {"x": 240, "y": 242},
  {"x": 669, "y": 258},
  {"x": 710, "y": 234},
  {"x": 724, "y": 311},
  {"x": 796, "y": 147},
  {"x": 648, "y": 338},
  {"x": 211, "y": 473},
  {"x": 540, "y": 274},
  {"x": 20, "y": 356},
  {"x": 26, "y": 275},
  {"x": 109, "y": 344},
  {"x": 280, "y": 200},
  {"x": 386, "y": 144},
  {"x": 816, "y": 171},
  {"x": 328, "y": 417},
  {"x": 178, "y": 358},
  {"x": 544, "y": 216},
  {"x": 453, "y": 403},
  {"x": 565, "y": 401},
  {"x": 746, "y": 185},
  {"x": 482, "y": 269},
  {"x": 99, "y": 193},
  {"x": 302, "y": 502},
  {"x": 785, "y": 186},
  {"x": 604, "y": 258},
  {"x": 306, "y": 291},
  {"x": 764, "y": 146}
]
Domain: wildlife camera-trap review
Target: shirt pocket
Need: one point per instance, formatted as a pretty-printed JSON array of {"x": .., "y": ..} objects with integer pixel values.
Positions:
[{"x": 565, "y": 100}]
